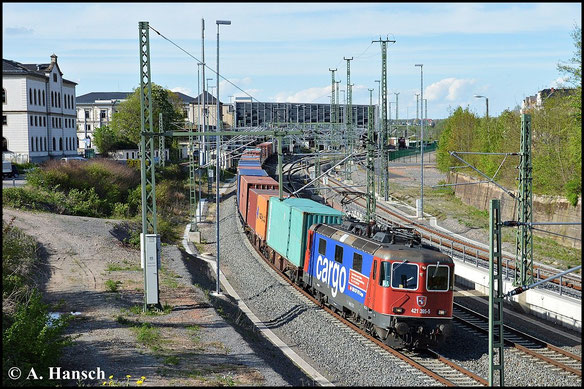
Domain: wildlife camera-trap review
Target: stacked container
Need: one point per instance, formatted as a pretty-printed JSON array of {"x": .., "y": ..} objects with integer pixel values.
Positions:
[
  {"x": 246, "y": 183},
  {"x": 257, "y": 209},
  {"x": 248, "y": 171},
  {"x": 288, "y": 224}
]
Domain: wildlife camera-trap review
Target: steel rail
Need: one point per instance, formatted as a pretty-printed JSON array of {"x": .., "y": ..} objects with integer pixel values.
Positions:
[
  {"x": 462, "y": 248},
  {"x": 530, "y": 338},
  {"x": 369, "y": 337}
]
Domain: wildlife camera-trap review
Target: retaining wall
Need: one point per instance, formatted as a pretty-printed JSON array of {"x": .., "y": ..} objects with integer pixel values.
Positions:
[{"x": 545, "y": 208}]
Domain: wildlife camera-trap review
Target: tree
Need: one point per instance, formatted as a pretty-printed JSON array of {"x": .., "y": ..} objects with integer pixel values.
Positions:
[
  {"x": 573, "y": 129},
  {"x": 107, "y": 140},
  {"x": 127, "y": 121},
  {"x": 574, "y": 71}
]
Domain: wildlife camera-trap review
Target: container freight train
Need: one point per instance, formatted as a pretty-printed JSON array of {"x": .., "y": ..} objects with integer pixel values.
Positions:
[{"x": 386, "y": 281}]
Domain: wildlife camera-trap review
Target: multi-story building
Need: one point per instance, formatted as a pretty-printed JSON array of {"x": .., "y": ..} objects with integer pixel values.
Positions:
[
  {"x": 38, "y": 112},
  {"x": 536, "y": 102},
  {"x": 96, "y": 109},
  {"x": 253, "y": 114}
]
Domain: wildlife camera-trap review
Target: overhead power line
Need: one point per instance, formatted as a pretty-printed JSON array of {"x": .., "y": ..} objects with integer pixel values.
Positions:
[{"x": 199, "y": 61}]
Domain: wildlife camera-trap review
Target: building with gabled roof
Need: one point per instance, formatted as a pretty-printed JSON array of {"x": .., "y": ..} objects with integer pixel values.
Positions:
[{"x": 38, "y": 111}]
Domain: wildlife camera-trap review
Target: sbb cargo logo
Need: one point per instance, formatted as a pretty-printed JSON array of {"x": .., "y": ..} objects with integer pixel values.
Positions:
[{"x": 332, "y": 274}]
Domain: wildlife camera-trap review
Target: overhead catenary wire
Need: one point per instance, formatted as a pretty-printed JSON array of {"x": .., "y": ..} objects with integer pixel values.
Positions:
[{"x": 199, "y": 61}]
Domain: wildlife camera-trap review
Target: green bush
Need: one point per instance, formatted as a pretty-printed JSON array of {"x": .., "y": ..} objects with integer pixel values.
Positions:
[
  {"x": 86, "y": 203},
  {"x": 31, "y": 339},
  {"x": 37, "y": 199},
  {"x": 19, "y": 264}
]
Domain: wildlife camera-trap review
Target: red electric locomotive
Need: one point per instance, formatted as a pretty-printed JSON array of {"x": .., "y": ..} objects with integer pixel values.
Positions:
[{"x": 391, "y": 285}]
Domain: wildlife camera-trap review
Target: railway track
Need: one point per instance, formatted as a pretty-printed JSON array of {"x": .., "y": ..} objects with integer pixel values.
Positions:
[
  {"x": 532, "y": 347},
  {"x": 430, "y": 363},
  {"x": 456, "y": 246}
]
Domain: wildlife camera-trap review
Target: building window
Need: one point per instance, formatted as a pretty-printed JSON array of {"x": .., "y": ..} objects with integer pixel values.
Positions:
[
  {"x": 59, "y": 99},
  {"x": 3, "y": 96},
  {"x": 88, "y": 127},
  {"x": 30, "y": 96},
  {"x": 55, "y": 77},
  {"x": 36, "y": 121},
  {"x": 31, "y": 121},
  {"x": 44, "y": 98},
  {"x": 86, "y": 114},
  {"x": 60, "y": 143},
  {"x": 34, "y": 95},
  {"x": 45, "y": 144},
  {"x": 31, "y": 143},
  {"x": 4, "y": 120},
  {"x": 102, "y": 114},
  {"x": 37, "y": 143}
]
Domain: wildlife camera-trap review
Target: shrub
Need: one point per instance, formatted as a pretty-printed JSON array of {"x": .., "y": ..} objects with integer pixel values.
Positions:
[
  {"x": 112, "y": 286},
  {"x": 19, "y": 264},
  {"x": 31, "y": 339}
]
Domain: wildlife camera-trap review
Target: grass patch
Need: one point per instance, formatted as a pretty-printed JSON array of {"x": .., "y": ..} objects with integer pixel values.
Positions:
[
  {"x": 169, "y": 278},
  {"x": 112, "y": 286},
  {"x": 171, "y": 360},
  {"x": 195, "y": 332},
  {"x": 148, "y": 336},
  {"x": 139, "y": 310}
]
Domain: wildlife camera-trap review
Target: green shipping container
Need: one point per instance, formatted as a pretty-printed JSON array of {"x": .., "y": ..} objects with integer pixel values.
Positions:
[{"x": 288, "y": 224}]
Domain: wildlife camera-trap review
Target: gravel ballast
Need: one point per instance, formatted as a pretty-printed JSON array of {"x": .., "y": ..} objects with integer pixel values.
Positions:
[{"x": 345, "y": 358}]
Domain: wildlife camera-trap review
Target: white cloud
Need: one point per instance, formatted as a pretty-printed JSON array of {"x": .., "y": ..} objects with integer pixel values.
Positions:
[
  {"x": 183, "y": 90},
  {"x": 559, "y": 82},
  {"x": 451, "y": 89},
  {"x": 304, "y": 96}
]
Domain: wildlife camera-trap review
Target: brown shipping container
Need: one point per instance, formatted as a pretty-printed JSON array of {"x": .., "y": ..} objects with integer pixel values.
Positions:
[
  {"x": 263, "y": 206},
  {"x": 252, "y": 182},
  {"x": 252, "y": 204}
]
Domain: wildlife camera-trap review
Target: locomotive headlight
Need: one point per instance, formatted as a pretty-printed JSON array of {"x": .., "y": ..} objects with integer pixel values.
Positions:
[
  {"x": 398, "y": 310},
  {"x": 441, "y": 312}
]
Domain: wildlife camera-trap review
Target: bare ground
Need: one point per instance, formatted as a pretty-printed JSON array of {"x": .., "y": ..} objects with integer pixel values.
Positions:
[{"x": 189, "y": 344}]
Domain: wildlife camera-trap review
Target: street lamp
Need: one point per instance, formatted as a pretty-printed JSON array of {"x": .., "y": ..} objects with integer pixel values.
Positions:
[
  {"x": 396, "y": 105},
  {"x": 487, "y": 101},
  {"x": 217, "y": 169},
  {"x": 421, "y": 144},
  {"x": 487, "y": 115}
]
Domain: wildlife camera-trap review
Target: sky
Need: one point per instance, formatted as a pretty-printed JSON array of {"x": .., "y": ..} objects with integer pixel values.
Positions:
[{"x": 282, "y": 52}]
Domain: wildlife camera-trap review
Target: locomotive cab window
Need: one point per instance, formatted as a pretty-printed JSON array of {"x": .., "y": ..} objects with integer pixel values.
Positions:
[
  {"x": 404, "y": 275},
  {"x": 339, "y": 254},
  {"x": 357, "y": 262},
  {"x": 437, "y": 278},
  {"x": 385, "y": 274},
  {"x": 322, "y": 246}
]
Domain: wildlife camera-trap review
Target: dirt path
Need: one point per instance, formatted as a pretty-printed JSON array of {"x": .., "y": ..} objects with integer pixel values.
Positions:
[{"x": 91, "y": 272}]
